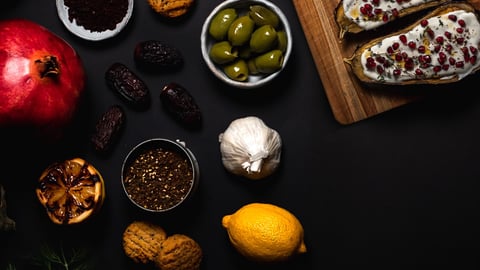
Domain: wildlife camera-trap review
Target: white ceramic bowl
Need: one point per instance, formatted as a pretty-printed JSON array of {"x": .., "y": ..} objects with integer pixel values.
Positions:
[
  {"x": 242, "y": 6},
  {"x": 81, "y": 32}
]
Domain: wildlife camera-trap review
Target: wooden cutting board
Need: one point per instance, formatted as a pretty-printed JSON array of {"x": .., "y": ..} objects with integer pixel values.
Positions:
[{"x": 349, "y": 100}]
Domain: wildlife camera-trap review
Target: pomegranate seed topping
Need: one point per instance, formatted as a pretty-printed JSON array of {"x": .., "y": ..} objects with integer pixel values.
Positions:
[
  {"x": 473, "y": 59},
  {"x": 448, "y": 35},
  {"x": 424, "y": 23},
  {"x": 466, "y": 54},
  {"x": 459, "y": 30},
  {"x": 371, "y": 63},
  {"x": 397, "y": 72},
  {"x": 395, "y": 12},
  {"x": 404, "y": 55},
  {"x": 437, "y": 69},
  {"x": 461, "y": 23},
  {"x": 368, "y": 7},
  {"x": 420, "y": 59},
  {"x": 376, "y": 2},
  {"x": 430, "y": 32},
  {"x": 459, "y": 64},
  {"x": 418, "y": 72},
  {"x": 380, "y": 59},
  {"x": 449, "y": 48},
  {"x": 473, "y": 50},
  {"x": 363, "y": 11},
  {"x": 452, "y": 61},
  {"x": 390, "y": 50},
  {"x": 439, "y": 40},
  {"x": 460, "y": 40},
  {"x": 378, "y": 11},
  {"x": 395, "y": 45},
  {"x": 452, "y": 17},
  {"x": 445, "y": 67},
  {"x": 385, "y": 17},
  {"x": 442, "y": 57},
  {"x": 421, "y": 49},
  {"x": 437, "y": 48},
  {"x": 409, "y": 64},
  {"x": 403, "y": 39},
  {"x": 412, "y": 45},
  {"x": 427, "y": 58},
  {"x": 398, "y": 57}
]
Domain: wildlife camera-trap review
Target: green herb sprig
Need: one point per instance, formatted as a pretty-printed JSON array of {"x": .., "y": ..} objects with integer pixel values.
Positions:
[{"x": 50, "y": 259}]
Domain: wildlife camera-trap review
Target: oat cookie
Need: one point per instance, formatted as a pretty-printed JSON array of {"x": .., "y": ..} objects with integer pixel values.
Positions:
[
  {"x": 142, "y": 241},
  {"x": 171, "y": 8},
  {"x": 179, "y": 252}
]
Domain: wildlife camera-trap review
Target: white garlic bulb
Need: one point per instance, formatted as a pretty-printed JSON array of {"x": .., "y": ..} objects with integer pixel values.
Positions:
[{"x": 250, "y": 148}]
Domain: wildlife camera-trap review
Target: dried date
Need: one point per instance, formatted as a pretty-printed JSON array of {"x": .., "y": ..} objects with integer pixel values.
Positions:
[
  {"x": 108, "y": 128},
  {"x": 128, "y": 86},
  {"x": 157, "y": 55},
  {"x": 179, "y": 103}
]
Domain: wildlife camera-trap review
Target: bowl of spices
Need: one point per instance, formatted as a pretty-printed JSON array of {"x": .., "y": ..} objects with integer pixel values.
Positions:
[
  {"x": 95, "y": 19},
  {"x": 158, "y": 174}
]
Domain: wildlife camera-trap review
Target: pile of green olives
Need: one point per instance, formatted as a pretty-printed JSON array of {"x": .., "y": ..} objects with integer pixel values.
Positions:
[{"x": 247, "y": 43}]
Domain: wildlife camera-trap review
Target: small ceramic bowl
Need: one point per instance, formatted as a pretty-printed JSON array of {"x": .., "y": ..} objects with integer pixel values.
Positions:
[
  {"x": 158, "y": 175},
  {"x": 242, "y": 8},
  {"x": 82, "y": 32}
]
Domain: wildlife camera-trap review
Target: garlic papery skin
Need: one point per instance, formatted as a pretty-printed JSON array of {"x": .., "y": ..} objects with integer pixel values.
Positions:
[{"x": 250, "y": 148}]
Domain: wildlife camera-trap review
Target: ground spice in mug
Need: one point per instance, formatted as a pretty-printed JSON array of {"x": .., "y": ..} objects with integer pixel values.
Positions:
[
  {"x": 97, "y": 15},
  {"x": 158, "y": 179}
]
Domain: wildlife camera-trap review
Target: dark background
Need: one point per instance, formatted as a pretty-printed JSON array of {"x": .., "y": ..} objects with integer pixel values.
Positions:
[{"x": 396, "y": 191}]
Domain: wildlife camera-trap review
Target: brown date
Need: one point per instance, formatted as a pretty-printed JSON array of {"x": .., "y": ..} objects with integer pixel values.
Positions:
[
  {"x": 179, "y": 103},
  {"x": 128, "y": 86},
  {"x": 108, "y": 128}
]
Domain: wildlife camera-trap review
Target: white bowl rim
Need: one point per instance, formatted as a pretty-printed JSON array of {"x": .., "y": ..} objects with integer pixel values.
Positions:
[
  {"x": 82, "y": 32},
  {"x": 217, "y": 71}
]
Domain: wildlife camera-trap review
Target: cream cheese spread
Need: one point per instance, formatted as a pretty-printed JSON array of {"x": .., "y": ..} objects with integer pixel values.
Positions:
[
  {"x": 441, "y": 47},
  {"x": 370, "y": 14}
]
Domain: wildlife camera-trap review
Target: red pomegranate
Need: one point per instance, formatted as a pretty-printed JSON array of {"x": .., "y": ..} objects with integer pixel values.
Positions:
[{"x": 42, "y": 78}]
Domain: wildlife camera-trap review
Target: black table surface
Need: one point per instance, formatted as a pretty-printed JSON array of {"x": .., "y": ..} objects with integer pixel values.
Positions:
[{"x": 396, "y": 191}]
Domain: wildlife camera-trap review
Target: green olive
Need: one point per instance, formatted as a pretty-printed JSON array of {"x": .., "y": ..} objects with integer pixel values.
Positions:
[
  {"x": 222, "y": 52},
  {"x": 240, "y": 30},
  {"x": 252, "y": 68},
  {"x": 221, "y": 22},
  {"x": 282, "y": 41},
  {"x": 262, "y": 15},
  {"x": 263, "y": 39},
  {"x": 268, "y": 62},
  {"x": 237, "y": 71}
]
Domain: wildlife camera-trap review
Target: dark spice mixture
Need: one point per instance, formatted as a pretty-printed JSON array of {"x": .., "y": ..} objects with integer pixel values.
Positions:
[
  {"x": 97, "y": 15},
  {"x": 158, "y": 179}
]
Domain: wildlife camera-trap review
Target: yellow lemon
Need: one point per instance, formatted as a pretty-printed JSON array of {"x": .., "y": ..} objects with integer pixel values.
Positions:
[{"x": 265, "y": 232}]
